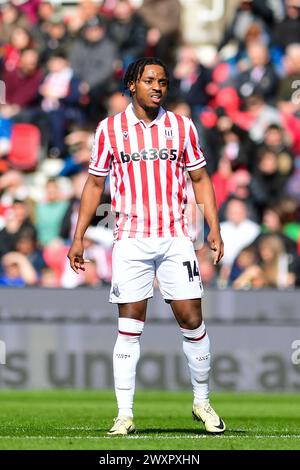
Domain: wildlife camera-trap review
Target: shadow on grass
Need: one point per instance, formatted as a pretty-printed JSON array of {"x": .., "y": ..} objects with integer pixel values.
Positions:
[
  {"x": 181, "y": 432},
  {"x": 101, "y": 432}
]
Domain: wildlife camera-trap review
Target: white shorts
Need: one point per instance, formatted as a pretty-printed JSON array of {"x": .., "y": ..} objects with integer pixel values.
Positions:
[{"x": 136, "y": 262}]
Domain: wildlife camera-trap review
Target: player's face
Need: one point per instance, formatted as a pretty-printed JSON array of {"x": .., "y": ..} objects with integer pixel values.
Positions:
[{"x": 151, "y": 88}]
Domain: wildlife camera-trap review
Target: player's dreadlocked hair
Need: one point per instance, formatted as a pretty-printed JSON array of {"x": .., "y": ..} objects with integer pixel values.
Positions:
[{"x": 135, "y": 70}]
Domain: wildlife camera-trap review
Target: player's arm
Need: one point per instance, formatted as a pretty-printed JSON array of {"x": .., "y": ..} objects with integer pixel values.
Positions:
[
  {"x": 204, "y": 195},
  {"x": 90, "y": 200}
]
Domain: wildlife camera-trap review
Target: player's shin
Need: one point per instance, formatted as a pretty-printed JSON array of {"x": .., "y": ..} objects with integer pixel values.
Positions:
[
  {"x": 125, "y": 358},
  {"x": 196, "y": 349}
]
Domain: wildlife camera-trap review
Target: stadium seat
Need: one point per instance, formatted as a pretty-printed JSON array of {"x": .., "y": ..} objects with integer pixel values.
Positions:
[{"x": 25, "y": 147}]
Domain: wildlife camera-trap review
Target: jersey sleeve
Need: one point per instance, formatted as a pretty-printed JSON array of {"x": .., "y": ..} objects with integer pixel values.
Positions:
[
  {"x": 193, "y": 154},
  {"x": 101, "y": 153}
]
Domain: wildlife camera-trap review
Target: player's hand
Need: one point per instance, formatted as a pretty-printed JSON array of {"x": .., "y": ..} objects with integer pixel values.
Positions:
[
  {"x": 75, "y": 256},
  {"x": 216, "y": 244}
]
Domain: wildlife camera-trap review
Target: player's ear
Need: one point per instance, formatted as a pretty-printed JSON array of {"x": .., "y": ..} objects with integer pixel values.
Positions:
[{"x": 131, "y": 86}]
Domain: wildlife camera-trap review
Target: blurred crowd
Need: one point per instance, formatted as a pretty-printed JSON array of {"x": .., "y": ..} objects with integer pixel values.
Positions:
[{"x": 63, "y": 70}]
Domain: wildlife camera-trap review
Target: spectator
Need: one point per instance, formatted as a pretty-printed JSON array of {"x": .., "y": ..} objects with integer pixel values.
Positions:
[
  {"x": 98, "y": 243},
  {"x": 5, "y": 141},
  {"x": 86, "y": 10},
  {"x": 46, "y": 11},
  {"x": 97, "y": 247},
  {"x": 234, "y": 146},
  {"x": 49, "y": 214},
  {"x": 227, "y": 139},
  {"x": 261, "y": 116},
  {"x": 259, "y": 77},
  {"x": 247, "y": 13},
  {"x": 22, "y": 93},
  {"x": 56, "y": 38},
  {"x": 237, "y": 230},
  {"x": 239, "y": 186},
  {"x": 12, "y": 186},
  {"x": 48, "y": 279},
  {"x": 22, "y": 83},
  {"x": 250, "y": 278},
  {"x": 275, "y": 262},
  {"x": 79, "y": 143},
  {"x": 291, "y": 215},
  {"x": 26, "y": 244},
  {"x": 17, "y": 271},
  {"x": 10, "y": 19},
  {"x": 17, "y": 221},
  {"x": 273, "y": 224},
  {"x": 180, "y": 106},
  {"x": 273, "y": 270},
  {"x": 273, "y": 221},
  {"x": 255, "y": 33},
  {"x": 60, "y": 93},
  {"x": 221, "y": 181},
  {"x": 70, "y": 217},
  {"x": 90, "y": 276},
  {"x": 93, "y": 58},
  {"x": 291, "y": 75},
  {"x": 209, "y": 275},
  {"x": 20, "y": 40},
  {"x": 246, "y": 259},
  {"x": 287, "y": 31},
  {"x": 293, "y": 186},
  {"x": 128, "y": 32},
  {"x": 275, "y": 140},
  {"x": 190, "y": 80},
  {"x": 117, "y": 102},
  {"x": 29, "y": 8},
  {"x": 267, "y": 185},
  {"x": 163, "y": 18},
  {"x": 54, "y": 255}
]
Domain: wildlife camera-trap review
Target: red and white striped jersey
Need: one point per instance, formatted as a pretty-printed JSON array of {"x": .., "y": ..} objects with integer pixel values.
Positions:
[{"x": 147, "y": 166}]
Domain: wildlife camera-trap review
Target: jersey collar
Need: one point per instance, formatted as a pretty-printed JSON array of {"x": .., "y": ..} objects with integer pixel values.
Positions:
[{"x": 132, "y": 119}]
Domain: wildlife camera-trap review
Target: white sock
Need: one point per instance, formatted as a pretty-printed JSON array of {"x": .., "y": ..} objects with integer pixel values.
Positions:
[
  {"x": 196, "y": 350},
  {"x": 125, "y": 358}
]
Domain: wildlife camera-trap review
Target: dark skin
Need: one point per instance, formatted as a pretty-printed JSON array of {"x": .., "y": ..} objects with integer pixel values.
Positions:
[{"x": 148, "y": 93}]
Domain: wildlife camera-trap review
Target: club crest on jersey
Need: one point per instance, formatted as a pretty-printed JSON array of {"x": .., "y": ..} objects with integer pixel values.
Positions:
[
  {"x": 125, "y": 135},
  {"x": 168, "y": 133},
  {"x": 115, "y": 290}
]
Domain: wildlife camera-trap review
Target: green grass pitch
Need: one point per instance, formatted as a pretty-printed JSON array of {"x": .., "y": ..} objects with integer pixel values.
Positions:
[{"x": 76, "y": 419}]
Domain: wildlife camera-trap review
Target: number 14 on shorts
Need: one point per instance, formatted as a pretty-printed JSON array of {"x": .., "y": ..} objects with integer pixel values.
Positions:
[{"x": 192, "y": 272}]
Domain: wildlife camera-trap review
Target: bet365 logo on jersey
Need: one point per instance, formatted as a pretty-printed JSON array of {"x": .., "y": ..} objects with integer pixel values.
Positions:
[{"x": 151, "y": 154}]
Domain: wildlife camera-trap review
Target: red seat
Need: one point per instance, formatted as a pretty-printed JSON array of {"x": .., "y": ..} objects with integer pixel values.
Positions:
[{"x": 25, "y": 146}]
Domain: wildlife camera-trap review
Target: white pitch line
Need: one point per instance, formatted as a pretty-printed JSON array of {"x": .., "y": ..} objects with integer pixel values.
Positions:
[
  {"x": 77, "y": 428},
  {"x": 270, "y": 436}
]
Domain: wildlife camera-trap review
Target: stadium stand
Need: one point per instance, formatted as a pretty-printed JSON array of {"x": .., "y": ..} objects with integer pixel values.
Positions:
[{"x": 235, "y": 69}]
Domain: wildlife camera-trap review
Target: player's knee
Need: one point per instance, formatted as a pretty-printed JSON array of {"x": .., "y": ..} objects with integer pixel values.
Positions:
[
  {"x": 194, "y": 334},
  {"x": 192, "y": 324},
  {"x": 130, "y": 329},
  {"x": 190, "y": 321}
]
